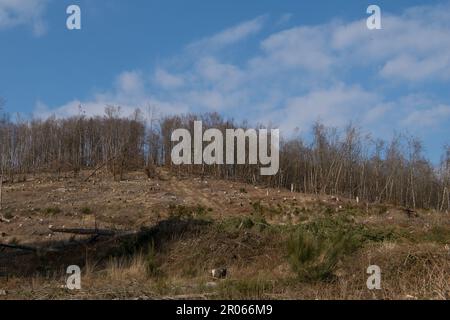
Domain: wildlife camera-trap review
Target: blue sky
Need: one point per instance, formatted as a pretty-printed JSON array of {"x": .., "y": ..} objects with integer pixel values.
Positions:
[{"x": 289, "y": 63}]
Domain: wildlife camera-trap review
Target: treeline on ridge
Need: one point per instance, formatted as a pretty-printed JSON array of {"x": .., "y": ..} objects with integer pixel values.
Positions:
[{"x": 331, "y": 161}]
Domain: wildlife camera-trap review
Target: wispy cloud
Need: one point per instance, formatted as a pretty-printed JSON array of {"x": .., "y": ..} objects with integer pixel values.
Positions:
[
  {"x": 229, "y": 36},
  {"x": 428, "y": 117},
  {"x": 166, "y": 80},
  {"x": 284, "y": 19},
  {"x": 413, "y": 46},
  {"x": 15, "y": 13},
  {"x": 128, "y": 93},
  {"x": 336, "y": 72}
]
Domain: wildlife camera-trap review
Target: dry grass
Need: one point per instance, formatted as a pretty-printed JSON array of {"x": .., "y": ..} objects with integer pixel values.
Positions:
[
  {"x": 281, "y": 246},
  {"x": 126, "y": 269}
]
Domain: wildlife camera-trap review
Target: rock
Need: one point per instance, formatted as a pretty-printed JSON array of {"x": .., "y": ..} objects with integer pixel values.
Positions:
[
  {"x": 211, "y": 285},
  {"x": 219, "y": 273},
  {"x": 3, "y": 292}
]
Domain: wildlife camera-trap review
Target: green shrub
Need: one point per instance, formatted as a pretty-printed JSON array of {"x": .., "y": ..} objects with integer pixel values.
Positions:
[
  {"x": 200, "y": 211},
  {"x": 181, "y": 211},
  {"x": 8, "y": 215},
  {"x": 247, "y": 223},
  {"x": 258, "y": 208},
  {"x": 316, "y": 248},
  {"x": 438, "y": 234},
  {"x": 314, "y": 257},
  {"x": 358, "y": 234},
  {"x": 235, "y": 224},
  {"x": 86, "y": 210}
]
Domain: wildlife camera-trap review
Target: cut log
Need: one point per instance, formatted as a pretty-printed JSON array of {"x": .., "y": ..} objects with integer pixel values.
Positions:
[
  {"x": 87, "y": 232},
  {"x": 92, "y": 232},
  {"x": 27, "y": 248},
  {"x": 100, "y": 167},
  {"x": 2, "y": 219},
  {"x": 18, "y": 247}
]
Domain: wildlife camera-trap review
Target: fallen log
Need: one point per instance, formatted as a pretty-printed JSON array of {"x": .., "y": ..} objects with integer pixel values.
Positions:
[
  {"x": 27, "y": 248},
  {"x": 18, "y": 247},
  {"x": 411, "y": 213},
  {"x": 85, "y": 232},
  {"x": 100, "y": 167},
  {"x": 91, "y": 232}
]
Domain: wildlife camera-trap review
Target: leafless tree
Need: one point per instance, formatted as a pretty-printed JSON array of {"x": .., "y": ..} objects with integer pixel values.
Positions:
[{"x": 344, "y": 162}]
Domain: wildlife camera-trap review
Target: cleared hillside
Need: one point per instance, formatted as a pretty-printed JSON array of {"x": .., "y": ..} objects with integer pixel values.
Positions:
[{"x": 171, "y": 231}]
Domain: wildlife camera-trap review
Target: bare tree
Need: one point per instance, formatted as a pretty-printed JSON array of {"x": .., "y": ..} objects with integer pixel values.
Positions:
[
  {"x": 339, "y": 162},
  {"x": 2, "y": 103}
]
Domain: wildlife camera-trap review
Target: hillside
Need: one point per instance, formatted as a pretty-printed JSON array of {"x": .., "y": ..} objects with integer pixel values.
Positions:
[{"x": 171, "y": 231}]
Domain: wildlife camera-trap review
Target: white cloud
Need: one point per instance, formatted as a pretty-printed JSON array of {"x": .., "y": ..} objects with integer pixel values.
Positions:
[
  {"x": 129, "y": 93},
  {"x": 223, "y": 75},
  {"x": 304, "y": 47},
  {"x": 167, "y": 80},
  {"x": 428, "y": 117},
  {"x": 130, "y": 83},
  {"x": 333, "y": 106},
  {"x": 303, "y": 74},
  {"x": 15, "y": 13},
  {"x": 96, "y": 107},
  {"x": 284, "y": 19},
  {"x": 229, "y": 36},
  {"x": 413, "y": 46},
  {"x": 377, "y": 112},
  {"x": 410, "y": 68}
]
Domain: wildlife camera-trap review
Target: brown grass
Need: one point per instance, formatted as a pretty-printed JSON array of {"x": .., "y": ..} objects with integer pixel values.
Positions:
[{"x": 219, "y": 225}]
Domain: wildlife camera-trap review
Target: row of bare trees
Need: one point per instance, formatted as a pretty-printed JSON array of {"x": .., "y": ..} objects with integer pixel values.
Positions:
[
  {"x": 72, "y": 144},
  {"x": 328, "y": 161}
]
